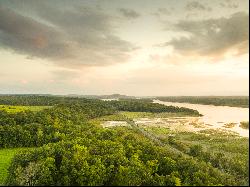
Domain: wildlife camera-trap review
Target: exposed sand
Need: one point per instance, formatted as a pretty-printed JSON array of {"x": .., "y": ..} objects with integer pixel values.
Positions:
[{"x": 114, "y": 123}]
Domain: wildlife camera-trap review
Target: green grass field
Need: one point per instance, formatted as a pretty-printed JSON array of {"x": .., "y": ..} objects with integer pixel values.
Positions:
[
  {"x": 6, "y": 156},
  {"x": 15, "y": 109}
]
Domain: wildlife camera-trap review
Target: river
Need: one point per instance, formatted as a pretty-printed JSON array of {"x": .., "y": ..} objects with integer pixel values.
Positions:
[{"x": 217, "y": 116}]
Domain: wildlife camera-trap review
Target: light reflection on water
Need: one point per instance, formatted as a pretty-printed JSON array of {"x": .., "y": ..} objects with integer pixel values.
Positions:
[{"x": 218, "y": 115}]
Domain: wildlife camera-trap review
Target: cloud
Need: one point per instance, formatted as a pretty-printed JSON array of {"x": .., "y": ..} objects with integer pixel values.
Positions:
[
  {"x": 195, "y": 5},
  {"x": 229, "y": 4},
  {"x": 213, "y": 37},
  {"x": 129, "y": 13},
  {"x": 74, "y": 37},
  {"x": 163, "y": 11},
  {"x": 25, "y": 35}
]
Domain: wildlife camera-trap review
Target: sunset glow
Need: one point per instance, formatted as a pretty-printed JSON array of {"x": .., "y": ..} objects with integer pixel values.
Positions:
[{"x": 143, "y": 47}]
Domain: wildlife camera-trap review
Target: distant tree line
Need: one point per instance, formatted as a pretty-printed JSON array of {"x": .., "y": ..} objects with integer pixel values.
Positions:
[
  {"x": 234, "y": 101},
  {"x": 146, "y": 106}
]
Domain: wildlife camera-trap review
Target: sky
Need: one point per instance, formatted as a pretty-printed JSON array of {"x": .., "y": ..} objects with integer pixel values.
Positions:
[{"x": 132, "y": 47}]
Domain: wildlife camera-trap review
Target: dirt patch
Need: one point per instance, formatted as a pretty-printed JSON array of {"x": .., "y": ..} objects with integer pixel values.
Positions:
[
  {"x": 108, "y": 124},
  {"x": 229, "y": 125}
]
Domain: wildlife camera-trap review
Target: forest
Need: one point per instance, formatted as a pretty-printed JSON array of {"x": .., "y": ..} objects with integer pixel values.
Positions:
[
  {"x": 64, "y": 143},
  {"x": 233, "y": 101}
]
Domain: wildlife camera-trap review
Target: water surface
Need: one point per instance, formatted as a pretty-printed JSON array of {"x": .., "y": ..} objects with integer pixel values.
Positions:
[{"x": 217, "y": 116}]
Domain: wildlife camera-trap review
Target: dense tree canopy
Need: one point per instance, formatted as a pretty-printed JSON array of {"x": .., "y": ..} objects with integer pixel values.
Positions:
[{"x": 70, "y": 148}]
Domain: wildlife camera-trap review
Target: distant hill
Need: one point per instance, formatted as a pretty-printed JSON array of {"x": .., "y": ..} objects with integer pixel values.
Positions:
[
  {"x": 117, "y": 96},
  {"x": 112, "y": 96}
]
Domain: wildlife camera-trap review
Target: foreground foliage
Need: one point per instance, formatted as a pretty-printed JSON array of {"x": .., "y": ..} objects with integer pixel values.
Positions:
[
  {"x": 225, "y": 151},
  {"x": 6, "y": 156},
  {"x": 72, "y": 148}
]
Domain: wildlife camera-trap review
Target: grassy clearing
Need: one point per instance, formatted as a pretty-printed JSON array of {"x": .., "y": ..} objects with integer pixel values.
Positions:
[
  {"x": 133, "y": 115},
  {"x": 113, "y": 117},
  {"x": 158, "y": 131},
  {"x": 6, "y": 156},
  {"x": 15, "y": 109},
  {"x": 244, "y": 124}
]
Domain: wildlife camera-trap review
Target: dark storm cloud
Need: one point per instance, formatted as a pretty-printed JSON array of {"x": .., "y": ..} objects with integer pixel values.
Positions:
[
  {"x": 73, "y": 37},
  {"x": 129, "y": 13},
  {"x": 213, "y": 37},
  {"x": 25, "y": 35},
  {"x": 195, "y": 5}
]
